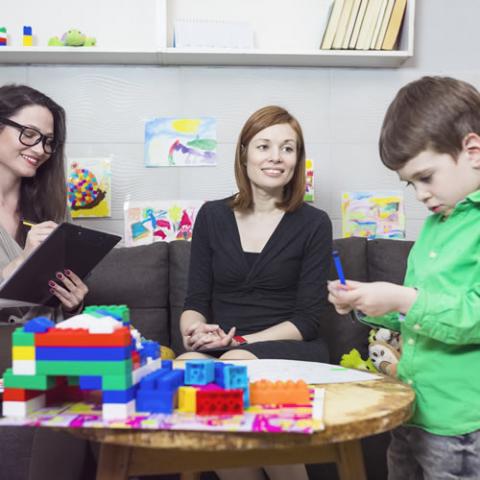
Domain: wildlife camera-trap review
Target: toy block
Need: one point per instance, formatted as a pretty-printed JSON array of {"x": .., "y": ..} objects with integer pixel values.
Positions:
[
  {"x": 118, "y": 396},
  {"x": 135, "y": 359},
  {"x": 220, "y": 402},
  {"x": 83, "y": 353},
  {"x": 187, "y": 399},
  {"x": 51, "y": 367},
  {"x": 27, "y": 36},
  {"x": 23, "y": 353},
  {"x": 3, "y": 36},
  {"x": 279, "y": 393},
  {"x": 33, "y": 382},
  {"x": 235, "y": 376},
  {"x": 38, "y": 325},
  {"x": 119, "y": 312},
  {"x": 116, "y": 382},
  {"x": 156, "y": 401},
  {"x": 20, "y": 338},
  {"x": 20, "y": 394},
  {"x": 118, "y": 411},
  {"x": 24, "y": 367},
  {"x": 70, "y": 380},
  {"x": 23, "y": 409},
  {"x": 172, "y": 380},
  {"x": 90, "y": 382},
  {"x": 150, "y": 349},
  {"x": 82, "y": 338},
  {"x": 199, "y": 372},
  {"x": 167, "y": 364},
  {"x": 144, "y": 370}
]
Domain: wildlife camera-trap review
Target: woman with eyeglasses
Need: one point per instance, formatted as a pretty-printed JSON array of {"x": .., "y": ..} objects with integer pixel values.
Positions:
[{"x": 33, "y": 188}]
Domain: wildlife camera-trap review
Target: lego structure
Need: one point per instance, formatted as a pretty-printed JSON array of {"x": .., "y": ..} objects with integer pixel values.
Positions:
[{"x": 99, "y": 350}]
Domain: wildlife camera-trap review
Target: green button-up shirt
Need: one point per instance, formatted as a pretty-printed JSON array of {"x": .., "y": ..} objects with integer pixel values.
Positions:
[{"x": 441, "y": 331}]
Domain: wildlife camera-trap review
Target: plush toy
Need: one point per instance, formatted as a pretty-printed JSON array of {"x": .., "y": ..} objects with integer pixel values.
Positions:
[
  {"x": 383, "y": 353},
  {"x": 72, "y": 38}
]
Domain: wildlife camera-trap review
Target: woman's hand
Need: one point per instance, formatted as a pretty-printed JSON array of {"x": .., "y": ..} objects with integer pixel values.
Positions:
[
  {"x": 36, "y": 235},
  {"x": 69, "y": 289},
  {"x": 204, "y": 336}
]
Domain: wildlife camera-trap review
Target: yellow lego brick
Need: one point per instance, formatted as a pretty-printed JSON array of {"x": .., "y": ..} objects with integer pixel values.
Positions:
[
  {"x": 187, "y": 399},
  {"x": 27, "y": 40},
  {"x": 23, "y": 353}
]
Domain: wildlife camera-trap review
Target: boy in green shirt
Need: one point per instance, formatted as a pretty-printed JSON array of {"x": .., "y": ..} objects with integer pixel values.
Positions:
[{"x": 431, "y": 138}]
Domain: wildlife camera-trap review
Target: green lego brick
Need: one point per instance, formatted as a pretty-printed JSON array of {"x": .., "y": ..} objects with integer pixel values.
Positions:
[
  {"x": 84, "y": 368},
  {"x": 121, "y": 311},
  {"x": 73, "y": 380},
  {"x": 20, "y": 338},
  {"x": 30, "y": 382},
  {"x": 116, "y": 382}
]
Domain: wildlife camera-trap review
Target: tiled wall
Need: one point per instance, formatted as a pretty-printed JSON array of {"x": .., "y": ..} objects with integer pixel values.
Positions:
[{"x": 340, "y": 110}]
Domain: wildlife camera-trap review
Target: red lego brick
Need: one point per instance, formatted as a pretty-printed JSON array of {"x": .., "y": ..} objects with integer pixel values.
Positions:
[
  {"x": 20, "y": 394},
  {"x": 82, "y": 338},
  {"x": 219, "y": 402}
]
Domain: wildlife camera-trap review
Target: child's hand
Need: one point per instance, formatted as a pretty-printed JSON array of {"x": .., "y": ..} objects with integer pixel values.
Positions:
[
  {"x": 334, "y": 288},
  {"x": 375, "y": 298}
]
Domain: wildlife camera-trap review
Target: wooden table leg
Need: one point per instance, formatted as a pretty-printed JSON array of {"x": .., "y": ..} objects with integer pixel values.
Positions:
[
  {"x": 113, "y": 462},
  {"x": 350, "y": 461}
]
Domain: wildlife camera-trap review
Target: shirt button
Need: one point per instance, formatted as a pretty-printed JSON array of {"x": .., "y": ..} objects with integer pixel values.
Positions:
[
  {"x": 417, "y": 327},
  {"x": 411, "y": 341},
  {"x": 432, "y": 254}
]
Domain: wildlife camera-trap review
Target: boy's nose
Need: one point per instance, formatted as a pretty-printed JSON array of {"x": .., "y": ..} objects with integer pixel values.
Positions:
[{"x": 422, "y": 195}]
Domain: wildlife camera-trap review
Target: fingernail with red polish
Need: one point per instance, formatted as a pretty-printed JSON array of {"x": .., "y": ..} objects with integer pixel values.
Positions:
[
  {"x": 52, "y": 291},
  {"x": 59, "y": 275},
  {"x": 51, "y": 283},
  {"x": 68, "y": 272}
]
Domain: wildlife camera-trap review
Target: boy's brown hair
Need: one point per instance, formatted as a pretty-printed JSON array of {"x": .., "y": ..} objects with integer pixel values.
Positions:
[
  {"x": 432, "y": 113},
  {"x": 295, "y": 190}
]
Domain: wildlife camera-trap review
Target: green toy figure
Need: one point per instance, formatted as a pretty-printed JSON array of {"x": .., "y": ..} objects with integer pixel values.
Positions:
[{"x": 72, "y": 38}]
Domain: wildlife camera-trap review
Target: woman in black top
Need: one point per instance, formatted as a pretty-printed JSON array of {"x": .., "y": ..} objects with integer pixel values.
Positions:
[{"x": 260, "y": 259}]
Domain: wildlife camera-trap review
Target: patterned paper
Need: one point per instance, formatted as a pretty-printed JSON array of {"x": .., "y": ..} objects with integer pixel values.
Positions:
[
  {"x": 373, "y": 214},
  {"x": 309, "y": 182},
  {"x": 289, "y": 418},
  {"x": 159, "y": 220}
]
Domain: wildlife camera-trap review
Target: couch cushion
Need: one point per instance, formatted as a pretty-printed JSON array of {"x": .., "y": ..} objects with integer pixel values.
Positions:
[
  {"x": 387, "y": 260},
  {"x": 179, "y": 255},
  {"x": 137, "y": 277}
]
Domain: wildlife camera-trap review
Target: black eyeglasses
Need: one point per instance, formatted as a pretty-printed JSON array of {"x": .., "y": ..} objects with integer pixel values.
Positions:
[{"x": 30, "y": 136}]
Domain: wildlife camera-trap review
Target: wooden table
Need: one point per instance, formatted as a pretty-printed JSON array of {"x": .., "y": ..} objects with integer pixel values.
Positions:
[{"x": 352, "y": 411}]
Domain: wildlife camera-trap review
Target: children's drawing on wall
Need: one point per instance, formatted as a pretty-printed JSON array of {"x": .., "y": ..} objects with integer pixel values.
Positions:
[
  {"x": 181, "y": 142},
  {"x": 373, "y": 214},
  {"x": 309, "y": 186},
  {"x": 159, "y": 220},
  {"x": 89, "y": 187}
]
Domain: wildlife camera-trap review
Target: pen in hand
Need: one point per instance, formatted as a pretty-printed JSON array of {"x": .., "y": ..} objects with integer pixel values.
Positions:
[{"x": 338, "y": 266}]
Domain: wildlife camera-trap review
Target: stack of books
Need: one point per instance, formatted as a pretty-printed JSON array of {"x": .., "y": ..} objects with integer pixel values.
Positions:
[{"x": 364, "y": 24}]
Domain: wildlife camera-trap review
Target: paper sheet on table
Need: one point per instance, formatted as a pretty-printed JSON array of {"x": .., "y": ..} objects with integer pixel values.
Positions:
[{"x": 309, "y": 372}]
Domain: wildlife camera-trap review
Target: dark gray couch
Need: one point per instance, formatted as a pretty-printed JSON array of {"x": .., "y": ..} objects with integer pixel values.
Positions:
[{"x": 152, "y": 280}]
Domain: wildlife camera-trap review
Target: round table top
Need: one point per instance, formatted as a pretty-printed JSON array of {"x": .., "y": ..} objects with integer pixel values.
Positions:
[{"x": 352, "y": 411}]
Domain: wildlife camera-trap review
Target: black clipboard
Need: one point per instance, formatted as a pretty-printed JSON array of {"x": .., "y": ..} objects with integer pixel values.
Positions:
[{"x": 69, "y": 246}]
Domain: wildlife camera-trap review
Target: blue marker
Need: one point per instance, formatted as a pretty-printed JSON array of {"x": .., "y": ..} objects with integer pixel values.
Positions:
[{"x": 338, "y": 266}]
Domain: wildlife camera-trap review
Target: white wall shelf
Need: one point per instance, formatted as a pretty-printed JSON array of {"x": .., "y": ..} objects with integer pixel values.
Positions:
[{"x": 152, "y": 43}]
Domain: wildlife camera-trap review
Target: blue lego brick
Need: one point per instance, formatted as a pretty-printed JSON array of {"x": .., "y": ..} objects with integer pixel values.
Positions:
[
  {"x": 199, "y": 372},
  {"x": 151, "y": 381},
  {"x": 156, "y": 401},
  {"x": 83, "y": 353},
  {"x": 235, "y": 376},
  {"x": 27, "y": 30},
  {"x": 90, "y": 382},
  {"x": 149, "y": 349},
  {"x": 38, "y": 325},
  {"x": 162, "y": 379},
  {"x": 219, "y": 373},
  {"x": 167, "y": 365},
  {"x": 119, "y": 396}
]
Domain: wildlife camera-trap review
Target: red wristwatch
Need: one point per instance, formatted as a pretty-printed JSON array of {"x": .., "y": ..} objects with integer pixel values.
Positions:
[{"x": 240, "y": 340}]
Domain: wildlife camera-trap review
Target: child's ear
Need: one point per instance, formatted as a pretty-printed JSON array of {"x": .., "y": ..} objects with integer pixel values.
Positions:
[{"x": 471, "y": 146}]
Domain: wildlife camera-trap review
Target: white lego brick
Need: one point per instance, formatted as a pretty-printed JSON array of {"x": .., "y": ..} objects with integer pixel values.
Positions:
[
  {"x": 23, "y": 409},
  {"x": 149, "y": 367},
  {"x": 24, "y": 367},
  {"x": 91, "y": 323},
  {"x": 118, "y": 411}
]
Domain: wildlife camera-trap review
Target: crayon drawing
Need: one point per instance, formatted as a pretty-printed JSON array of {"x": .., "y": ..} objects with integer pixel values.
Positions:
[
  {"x": 373, "y": 214},
  {"x": 309, "y": 184},
  {"x": 180, "y": 142},
  {"x": 155, "y": 221},
  {"x": 89, "y": 187}
]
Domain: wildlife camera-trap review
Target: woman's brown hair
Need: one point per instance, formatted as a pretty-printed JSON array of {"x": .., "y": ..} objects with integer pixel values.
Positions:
[
  {"x": 294, "y": 191},
  {"x": 44, "y": 196}
]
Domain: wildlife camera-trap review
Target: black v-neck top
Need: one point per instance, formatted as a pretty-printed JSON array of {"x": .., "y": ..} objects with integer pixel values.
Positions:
[{"x": 285, "y": 282}]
